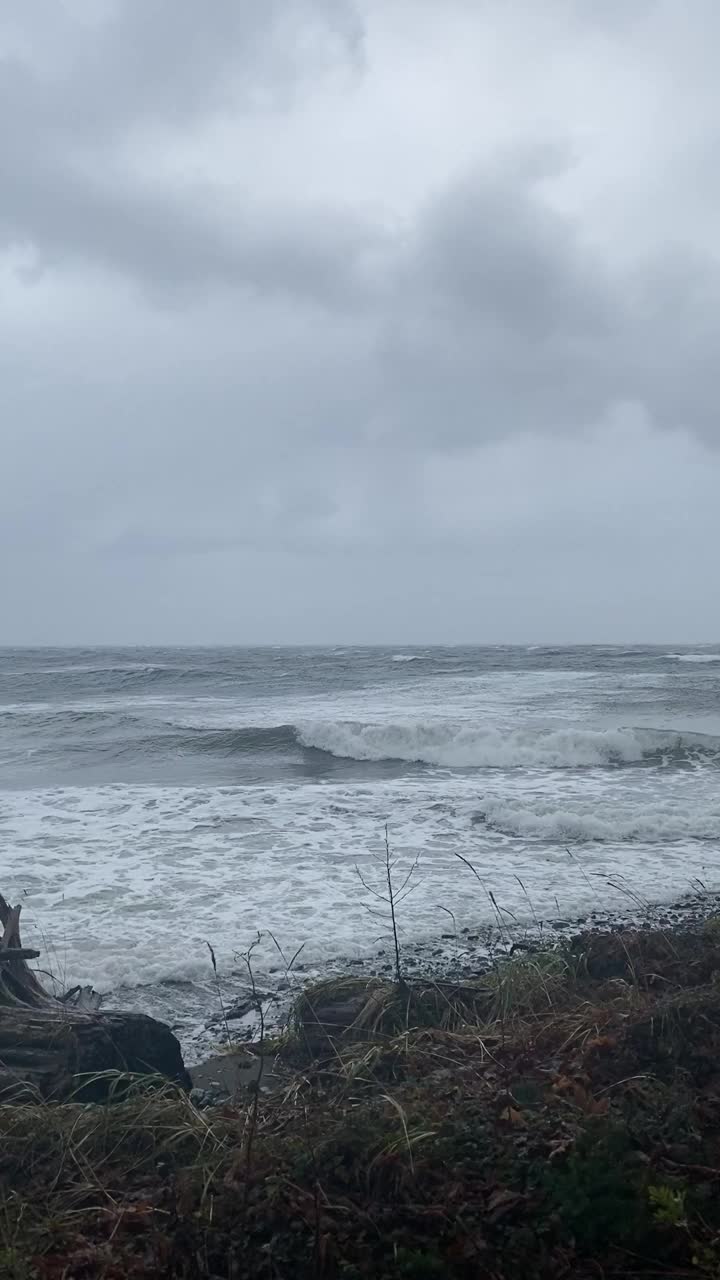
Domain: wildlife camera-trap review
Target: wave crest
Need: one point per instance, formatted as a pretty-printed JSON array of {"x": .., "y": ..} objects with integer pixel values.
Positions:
[{"x": 459, "y": 745}]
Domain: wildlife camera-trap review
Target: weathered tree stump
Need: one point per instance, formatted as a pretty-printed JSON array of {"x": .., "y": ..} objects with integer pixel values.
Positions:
[{"x": 60, "y": 1047}]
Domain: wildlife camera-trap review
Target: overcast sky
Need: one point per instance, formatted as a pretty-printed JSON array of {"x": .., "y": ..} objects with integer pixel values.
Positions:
[{"x": 359, "y": 321}]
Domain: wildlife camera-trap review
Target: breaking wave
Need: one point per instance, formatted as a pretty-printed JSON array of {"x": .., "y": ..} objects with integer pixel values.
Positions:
[
  {"x": 546, "y": 820},
  {"x": 461, "y": 745},
  {"x": 453, "y": 744}
]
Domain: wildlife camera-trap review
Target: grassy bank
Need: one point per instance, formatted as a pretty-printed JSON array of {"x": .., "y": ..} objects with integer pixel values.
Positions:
[{"x": 557, "y": 1116}]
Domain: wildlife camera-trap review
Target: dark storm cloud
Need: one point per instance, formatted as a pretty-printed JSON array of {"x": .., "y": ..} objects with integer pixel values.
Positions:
[
  {"x": 501, "y": 317},
  {"x": 159, "y": 65},
  {"x": 507, "y": 319}
]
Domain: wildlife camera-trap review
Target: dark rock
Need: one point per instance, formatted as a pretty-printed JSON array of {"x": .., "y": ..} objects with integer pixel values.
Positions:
[
  {"x": 49, "y": 1047},
  {"x": 329, "y": 1010},
  {"x": 139, "y": 1044},
  {"x": 240, "y": 1009}
]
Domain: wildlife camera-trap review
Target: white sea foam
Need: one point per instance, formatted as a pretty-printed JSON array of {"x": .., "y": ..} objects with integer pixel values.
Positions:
[
  {"x": 546, "y": 820},
  {"x": 82, "y": 668},
  {"x": 694, "y": 657},
  {"x": 406, "y": 657},
  {"x": 166, "y": 868}
]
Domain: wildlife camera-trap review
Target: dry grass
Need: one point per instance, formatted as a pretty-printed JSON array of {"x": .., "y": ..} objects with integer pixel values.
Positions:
[
  {"x": 449, "y": 1130},
  {"x": 149, "y": 1124},
  {"x": 357, "y": 1009}
]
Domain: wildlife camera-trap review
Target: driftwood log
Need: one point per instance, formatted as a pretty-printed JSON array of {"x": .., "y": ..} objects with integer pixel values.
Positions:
[{"x": 58, "y": 1047}]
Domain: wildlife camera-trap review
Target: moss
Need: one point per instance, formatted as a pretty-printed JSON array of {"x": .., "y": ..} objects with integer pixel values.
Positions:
[
  {"x": 413, "y": 1264},
  {"x": 600, "y": 1194}
]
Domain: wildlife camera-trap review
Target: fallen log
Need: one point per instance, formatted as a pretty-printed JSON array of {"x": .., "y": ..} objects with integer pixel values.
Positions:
[{"x": 58, "y": 1048}]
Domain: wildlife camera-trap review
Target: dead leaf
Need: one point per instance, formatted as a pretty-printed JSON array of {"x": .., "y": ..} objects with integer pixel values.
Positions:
[
  {"x": 560, "y": 1148},
  {"x": 513, "y": 1117},
  {"x": 502, "y": 1201},
  {"x": 601, "y": 1043}
]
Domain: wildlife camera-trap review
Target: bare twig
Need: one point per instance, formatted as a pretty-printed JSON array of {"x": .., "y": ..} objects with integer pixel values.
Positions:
[
  {"x": 219, "y": 992},
  {"x": 391, "y": 897}
]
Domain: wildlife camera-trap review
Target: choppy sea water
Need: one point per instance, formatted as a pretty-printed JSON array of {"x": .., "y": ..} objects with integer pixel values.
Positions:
[{"x": 152, "y": 800}]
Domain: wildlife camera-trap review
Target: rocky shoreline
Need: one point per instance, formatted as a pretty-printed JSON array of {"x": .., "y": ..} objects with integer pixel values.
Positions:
[{"x": 244, "y": 1064}]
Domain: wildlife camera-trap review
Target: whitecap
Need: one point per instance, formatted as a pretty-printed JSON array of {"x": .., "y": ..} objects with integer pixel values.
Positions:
[{"x": 694, "y": 657}]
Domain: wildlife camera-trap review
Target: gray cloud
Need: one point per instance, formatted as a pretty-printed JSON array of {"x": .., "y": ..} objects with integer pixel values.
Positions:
[
  {"x": 156, "y": 65},
  {"x": 96, "y": 71},
  {"x": 509, "y": 321},
  {"x": 287, "y": 312},
  {"x": 186, "y": 239}
]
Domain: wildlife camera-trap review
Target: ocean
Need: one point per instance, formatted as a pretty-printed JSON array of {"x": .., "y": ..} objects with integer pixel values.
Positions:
[{"x": 155, "y": 800}]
